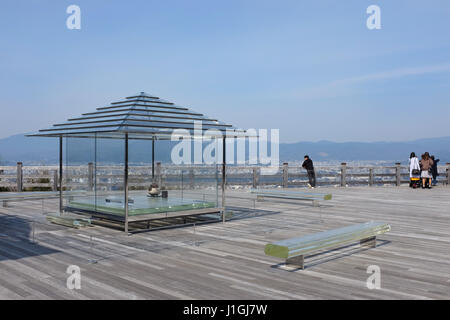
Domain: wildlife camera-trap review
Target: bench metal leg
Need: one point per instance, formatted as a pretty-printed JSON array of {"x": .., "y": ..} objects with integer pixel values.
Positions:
[
  {"x": 369, "y": 242},
  {"x": 5, "y": 204},
  {"x": 297, "y": 261}
]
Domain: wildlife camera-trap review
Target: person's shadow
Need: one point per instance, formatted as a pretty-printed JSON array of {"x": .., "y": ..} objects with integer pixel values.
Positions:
[{"x": 17, "y": 240}]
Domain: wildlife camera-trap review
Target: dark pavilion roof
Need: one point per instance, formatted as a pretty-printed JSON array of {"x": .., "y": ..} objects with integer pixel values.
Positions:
[{"x": 142, "y": 116}]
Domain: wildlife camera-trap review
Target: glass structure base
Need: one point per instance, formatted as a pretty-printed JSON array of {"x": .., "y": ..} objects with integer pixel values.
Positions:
[{"x": 137, "y": 205}]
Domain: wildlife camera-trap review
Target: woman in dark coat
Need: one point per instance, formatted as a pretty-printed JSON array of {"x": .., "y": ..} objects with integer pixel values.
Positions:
[{"x": 434, "y": 170}]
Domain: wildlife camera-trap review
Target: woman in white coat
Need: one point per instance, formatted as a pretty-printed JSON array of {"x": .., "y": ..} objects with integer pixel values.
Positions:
[{"x": 414, "y": 170}]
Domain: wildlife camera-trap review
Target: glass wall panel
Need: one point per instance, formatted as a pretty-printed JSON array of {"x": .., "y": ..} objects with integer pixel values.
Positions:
[
  {"x": 109, "y": 176},
  {"x": 78, "y": 172}
]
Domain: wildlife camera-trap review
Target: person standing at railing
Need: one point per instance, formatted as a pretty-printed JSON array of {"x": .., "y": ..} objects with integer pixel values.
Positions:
[
  {"x": 414, "y": 171},
  {"x": 309, "y": 166},
  {"x": 434, "y": 170},
  {"x": 426, "y": 164}
]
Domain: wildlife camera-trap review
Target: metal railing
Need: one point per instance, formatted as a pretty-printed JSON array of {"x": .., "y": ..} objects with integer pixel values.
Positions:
[{"x": 87, "y": 177}]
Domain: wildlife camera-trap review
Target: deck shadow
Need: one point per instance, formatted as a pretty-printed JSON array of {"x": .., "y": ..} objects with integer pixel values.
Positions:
[
  {"x": 16, "y": 239},
  {"x": 334, "y": 254},
  {"x": 240, "y": 213},
  {"x": 248, "y": 213}
]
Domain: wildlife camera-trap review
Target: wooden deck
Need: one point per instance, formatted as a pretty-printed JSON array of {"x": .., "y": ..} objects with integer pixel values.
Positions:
[{"x": 227, "y": 261}]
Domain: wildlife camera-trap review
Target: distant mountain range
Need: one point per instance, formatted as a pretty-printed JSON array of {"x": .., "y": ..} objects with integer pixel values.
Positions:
[{"x": 32, "y": 150}]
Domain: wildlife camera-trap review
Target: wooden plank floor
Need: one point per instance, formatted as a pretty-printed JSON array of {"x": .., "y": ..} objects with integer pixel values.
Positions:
[{"x": 227, "y": 261}]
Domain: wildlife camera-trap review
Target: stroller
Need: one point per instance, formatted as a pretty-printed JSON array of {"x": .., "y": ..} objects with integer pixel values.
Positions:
[
  {"x": 415, "y": 172},
  {"x": 415, "y": 183}
]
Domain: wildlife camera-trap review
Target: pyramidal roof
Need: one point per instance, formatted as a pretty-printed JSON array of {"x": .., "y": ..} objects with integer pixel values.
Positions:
[{"x": 142, "y": 116}]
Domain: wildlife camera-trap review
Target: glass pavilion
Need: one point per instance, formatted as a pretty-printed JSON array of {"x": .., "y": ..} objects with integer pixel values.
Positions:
[{"x": 107, "y": 138}]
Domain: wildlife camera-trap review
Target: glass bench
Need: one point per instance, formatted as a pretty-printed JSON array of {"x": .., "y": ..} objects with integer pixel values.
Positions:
[
  {"x": 294, "y": 249},
  {"x": 292, "y": 195}
]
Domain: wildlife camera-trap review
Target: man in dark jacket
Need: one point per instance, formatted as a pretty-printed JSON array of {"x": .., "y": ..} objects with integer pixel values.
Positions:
[
  {"x": 309, "y": 166},
  {"x": 434, "y": 170}
]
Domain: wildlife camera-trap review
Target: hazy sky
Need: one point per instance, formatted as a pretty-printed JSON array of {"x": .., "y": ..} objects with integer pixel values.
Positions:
[{"x": 310, "y": 68}]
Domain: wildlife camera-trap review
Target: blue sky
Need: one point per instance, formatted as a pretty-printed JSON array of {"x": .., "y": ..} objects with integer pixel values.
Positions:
[{"x": 310, "y": 68}]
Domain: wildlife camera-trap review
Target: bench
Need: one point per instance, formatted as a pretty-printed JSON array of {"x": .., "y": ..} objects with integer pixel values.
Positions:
[
  {"x": 292, "y": 195},
  {"x": 20, "y": 196},
  {"x": 295, "y": 249},
  {"x": 23, "y": 196}
]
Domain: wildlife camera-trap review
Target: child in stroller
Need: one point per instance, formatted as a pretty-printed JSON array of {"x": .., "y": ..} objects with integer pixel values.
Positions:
[{"x": 415, "y": 182}]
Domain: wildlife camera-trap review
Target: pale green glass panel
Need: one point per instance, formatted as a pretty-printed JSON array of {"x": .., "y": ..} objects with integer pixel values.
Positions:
[{"x": 302, "y": 245}]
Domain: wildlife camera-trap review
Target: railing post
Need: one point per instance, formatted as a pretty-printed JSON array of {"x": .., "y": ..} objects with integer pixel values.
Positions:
[
  {"x": 19, "y": 176},
  {"x": 256, "y": 173},
  {"x": 90, "y": 176},
  {"x": 158, "y": 174},
  {"x": 285, "y": 175},
  {"x": 343, "y": 174},
  {"x": 55, "y": 180},
  {"x": 398, "y": 176},
  {"x": 371, "y": 177},
  {"x": 448, "y": 173}
]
